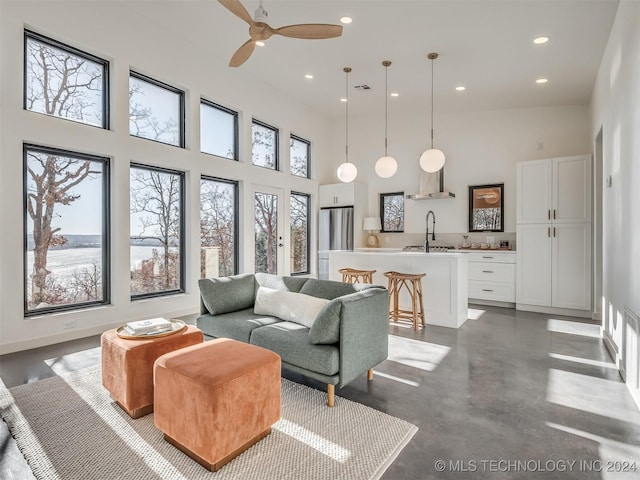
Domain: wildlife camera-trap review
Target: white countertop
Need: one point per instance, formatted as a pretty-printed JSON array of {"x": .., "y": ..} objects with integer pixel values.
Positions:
[{"x": 395, "y": 252}]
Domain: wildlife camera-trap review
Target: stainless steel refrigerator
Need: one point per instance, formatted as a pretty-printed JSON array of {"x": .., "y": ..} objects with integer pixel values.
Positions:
[{"x": 335, "y": 233}]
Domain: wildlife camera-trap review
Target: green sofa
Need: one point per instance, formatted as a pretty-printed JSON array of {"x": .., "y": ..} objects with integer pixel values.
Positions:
[{"x": 348, "y": 337}]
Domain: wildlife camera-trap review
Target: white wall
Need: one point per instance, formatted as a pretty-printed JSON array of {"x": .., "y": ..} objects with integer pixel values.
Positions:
[
  {"x": 112, "y": 31},
  {"x": 616, "y": 110},
  {"x": 481, "y": 147}
]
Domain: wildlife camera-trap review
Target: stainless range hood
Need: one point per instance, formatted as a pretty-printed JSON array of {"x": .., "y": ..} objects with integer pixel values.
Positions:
[{"x": 431, "y": 187}]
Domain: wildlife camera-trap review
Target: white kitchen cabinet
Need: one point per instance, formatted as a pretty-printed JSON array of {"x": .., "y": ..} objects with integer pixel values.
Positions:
[
  {"x": 554, "y": 235},
  {"x": 492, "y": 276},
  {"x": 337, "y": 195}
]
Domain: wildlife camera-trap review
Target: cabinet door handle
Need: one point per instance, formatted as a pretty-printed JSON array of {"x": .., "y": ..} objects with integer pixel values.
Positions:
[
  {"x": 554, "y": 213},
  {"x": 549, "y": 232},
  {"x": 487, "y": 290},
  {"x": 554, "y": 232},
  {"x": 487, "y": 271},
  {"x": 487, "y": 257},
  {"x": 548, "y": 214}
]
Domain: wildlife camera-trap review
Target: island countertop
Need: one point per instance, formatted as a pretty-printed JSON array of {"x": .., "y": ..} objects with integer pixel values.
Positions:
[{"x": 444, "y": 287}]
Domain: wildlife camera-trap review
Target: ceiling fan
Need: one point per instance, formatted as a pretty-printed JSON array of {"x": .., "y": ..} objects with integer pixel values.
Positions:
[{"x": 259, "y": 30}]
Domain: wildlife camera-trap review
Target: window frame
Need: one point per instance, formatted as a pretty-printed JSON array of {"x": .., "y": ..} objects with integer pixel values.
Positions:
[
  {"x": 308, "y": 143},
  {"x": 276, "y": 131},
  {"x": 382, "y": 210},
  {"x": 106, "y": 111},
  {"x": 181, "y": 113},
  {"x": 236, "y": 136},
  {"x": 308, "y": 236},
  {"x": 106, "y": 229},
  {"x": 236, "y": 216},
  {"x": 182, "y": 248}
]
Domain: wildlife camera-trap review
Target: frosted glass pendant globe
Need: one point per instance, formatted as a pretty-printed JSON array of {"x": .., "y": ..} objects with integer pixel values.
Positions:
[
  {"x": 347, "y": 172},
  {"x": 386, "y": 166},
  {"x": 432, "y": 160}
]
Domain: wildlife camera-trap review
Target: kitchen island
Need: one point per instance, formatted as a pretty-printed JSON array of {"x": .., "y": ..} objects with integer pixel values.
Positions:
[{"x": 444, "y": 288}]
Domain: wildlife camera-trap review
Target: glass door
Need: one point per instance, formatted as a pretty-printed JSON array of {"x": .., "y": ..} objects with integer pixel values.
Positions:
[{"x": 268, "y": 231}]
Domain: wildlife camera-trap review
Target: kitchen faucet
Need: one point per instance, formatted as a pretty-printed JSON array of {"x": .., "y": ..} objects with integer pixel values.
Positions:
[{"x": 433, "y": 233}]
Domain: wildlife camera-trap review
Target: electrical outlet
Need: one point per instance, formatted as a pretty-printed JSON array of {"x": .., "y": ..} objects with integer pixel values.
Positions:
[{"x": 70, "y": 324}]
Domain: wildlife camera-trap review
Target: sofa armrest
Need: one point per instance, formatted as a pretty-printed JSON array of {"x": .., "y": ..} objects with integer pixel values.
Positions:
[{"x": 364, "y": 332}]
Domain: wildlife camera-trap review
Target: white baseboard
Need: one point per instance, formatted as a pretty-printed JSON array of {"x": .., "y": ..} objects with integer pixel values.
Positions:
[
  {"x": 492, "y": 303},
  {"x": 554, "y": 310}
]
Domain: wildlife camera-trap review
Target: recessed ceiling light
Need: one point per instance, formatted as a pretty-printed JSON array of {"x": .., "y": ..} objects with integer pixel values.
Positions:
[
  {"x": 346, "y": 20},
  {"x": 540, "y": 40},
  {"x": 308, "y": 75},
  {"x": 461, "y": 88},
  {"x": 260, "y": 43},
  {"x": 395, "y": 94},
  {"x": 343, "y": 99},
  {"x": 542, "y": 80}
]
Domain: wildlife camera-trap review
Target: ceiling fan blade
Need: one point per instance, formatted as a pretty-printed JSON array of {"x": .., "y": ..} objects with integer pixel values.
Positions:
[
  {"x": 310, "y": 31},
  {"x": 243, "y": 53},
  {"x": 235, "y": 7}
]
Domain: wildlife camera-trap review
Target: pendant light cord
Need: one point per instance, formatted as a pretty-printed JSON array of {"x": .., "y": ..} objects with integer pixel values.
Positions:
[
  {"x": 432, "y": 103},
  {"x": 386, "y": 101},
  {"x": 346, "y": 117}
]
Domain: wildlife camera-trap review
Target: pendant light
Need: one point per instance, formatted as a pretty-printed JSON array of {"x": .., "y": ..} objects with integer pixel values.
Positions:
[
  {"x": 347, "y": 172},
  {"x": 386, "y": 166},
  {"x": 433, "y": 159}
]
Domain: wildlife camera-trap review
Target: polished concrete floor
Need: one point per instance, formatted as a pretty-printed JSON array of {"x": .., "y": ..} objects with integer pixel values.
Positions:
[{"x": 511, "y": 395}]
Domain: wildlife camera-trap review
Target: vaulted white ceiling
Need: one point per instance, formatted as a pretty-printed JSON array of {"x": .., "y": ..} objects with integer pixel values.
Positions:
[{"x": 484, "y": 45}]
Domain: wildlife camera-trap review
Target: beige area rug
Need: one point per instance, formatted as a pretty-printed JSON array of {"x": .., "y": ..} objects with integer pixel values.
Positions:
[{"x": 68, "y": 428}]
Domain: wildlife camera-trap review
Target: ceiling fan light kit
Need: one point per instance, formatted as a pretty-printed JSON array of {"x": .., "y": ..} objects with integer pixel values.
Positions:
[
  {"x": 347, "y": 172},
  {"x": 259, "y": 30},
  {"x": 386, "y": 166},
  {"x": 432, "y": 159}
]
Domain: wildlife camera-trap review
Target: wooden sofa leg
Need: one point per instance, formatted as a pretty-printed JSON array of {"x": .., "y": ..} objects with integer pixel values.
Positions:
[
  {"x": 331, "y": 394},
  {"x": 370, "y": 374}
]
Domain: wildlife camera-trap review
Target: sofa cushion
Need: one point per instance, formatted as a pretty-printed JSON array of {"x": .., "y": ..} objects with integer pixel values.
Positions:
[
  {"x": 227, "y": 294},
  {"x": 329, "y": 289},
  {"x": 326, "y": 329},
  {"x": 236, "y": 325},
  {"x": 289, "y": 306},
  {"x": 278, "y": 282},
  {"x": 291, "y": 341}
]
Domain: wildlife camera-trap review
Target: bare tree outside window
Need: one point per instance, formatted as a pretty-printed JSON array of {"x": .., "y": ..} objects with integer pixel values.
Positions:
[
  {"x": 392, "y": 212},
  {"x": 264, "y": 145},
  {"x": 299, "y": 156},
  {"x": 156, "y": 110},
  {"x": 64, "y": 82},
  {"x": 66, "y": 199},
  {"x": 266, "y": 232},
  {"x": 218, "y": 227},
  {"x": 299, "y": 233},
  {"x": 218, "y": 130},
  {"x": 156, "y": 206}
]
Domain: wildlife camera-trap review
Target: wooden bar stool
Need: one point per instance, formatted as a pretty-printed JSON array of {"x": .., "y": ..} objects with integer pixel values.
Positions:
[
  {"x": 396, "y": 282},
  {"x": 352, "y": 275}
]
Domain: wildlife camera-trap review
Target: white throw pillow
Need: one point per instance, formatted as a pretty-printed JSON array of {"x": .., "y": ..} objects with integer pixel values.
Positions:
[{"x": 289, "y": 306}]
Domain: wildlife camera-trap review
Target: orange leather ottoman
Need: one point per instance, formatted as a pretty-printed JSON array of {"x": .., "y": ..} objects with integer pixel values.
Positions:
[
  {"x": 127, "y": 366},
  {"x": 215, "y": 400}
]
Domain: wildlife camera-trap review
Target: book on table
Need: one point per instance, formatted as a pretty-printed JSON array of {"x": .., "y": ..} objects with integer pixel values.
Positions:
[{"x": 149, "y": 327}]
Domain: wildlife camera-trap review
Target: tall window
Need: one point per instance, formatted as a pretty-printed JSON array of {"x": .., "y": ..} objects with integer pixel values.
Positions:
[
  {"x": 392, "y": 212},
  {"x": 299, "y": 233},
  {"x": 264, "y": 145},
  {"x": 66, "y": 230},
  {"x": 157, "y": 226},
  {"x": 218, "y": 130},
  {"x": 218, "y": 227},
  {"x": 65, "y": 82},
  {"x": 156, "y": 110},
  {"x": 299, "y": 156}
]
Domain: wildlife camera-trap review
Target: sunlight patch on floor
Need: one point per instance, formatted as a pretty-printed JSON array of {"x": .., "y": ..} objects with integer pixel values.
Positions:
[
  {"x": 612, "y": 454},
  {"x": 378, "y": 373},
  {"x": 475, "y": 313},
  {"x": 573, "y": 328},
  {"x": 73, "y": 361},
  {"x": 414, "y": 353},
  {"x": 585, "y": 361},
  {"x": 591, "y": 394},
  {"x": 313, "y": 440}
]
